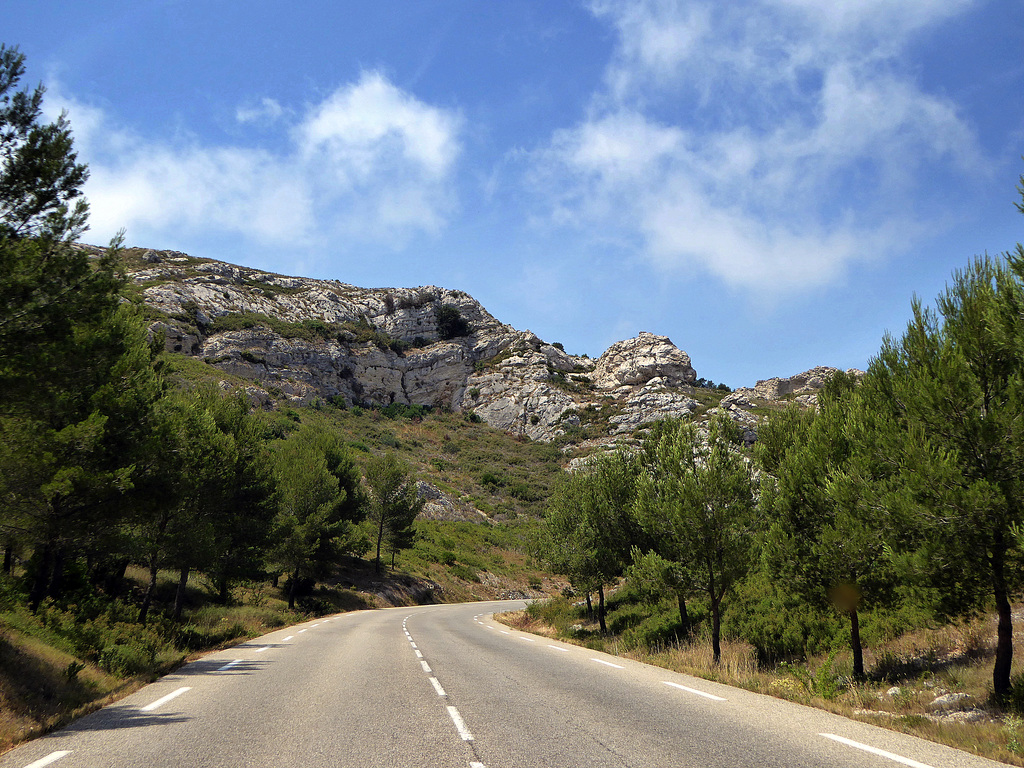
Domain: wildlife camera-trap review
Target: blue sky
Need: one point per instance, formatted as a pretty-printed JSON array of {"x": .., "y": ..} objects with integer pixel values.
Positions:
[{"x": 768, "y": 183}]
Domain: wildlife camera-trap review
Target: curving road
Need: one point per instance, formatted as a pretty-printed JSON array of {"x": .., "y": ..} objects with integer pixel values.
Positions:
[{"x": 444, "y": 685}]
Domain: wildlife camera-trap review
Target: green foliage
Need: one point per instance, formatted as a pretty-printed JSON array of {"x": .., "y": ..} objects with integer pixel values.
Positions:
[
  {"x": 320, "y": 499},
  {"x": 823, "y": 681},
  {"x": 450, "y": 322},
  {"x": 589, "y": 524},
  {"x": 395, "y": 504},
  {"x": 695, "y": 503}
]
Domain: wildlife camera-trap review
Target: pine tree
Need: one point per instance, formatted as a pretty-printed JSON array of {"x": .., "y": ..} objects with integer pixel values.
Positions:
[
  {"x": 394, "y": 502},
  {"x": 951, "y": 390},
  {"x": 696, "y": 504}
]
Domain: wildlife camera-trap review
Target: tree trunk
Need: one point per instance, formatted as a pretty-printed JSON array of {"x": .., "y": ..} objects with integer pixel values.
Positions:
[
  {"x": 590, "y": 607},
  {"x": 57, "y": 579},
  {"x": 601, "y": 609},
  {"x": 147, "y": 601},
  {"x": 41, "y": 580},
  {"x": 179, "y": 596},
  {"x": 293, "y": 588},
  {"x": 223, "y": 595},
  {"x": 380, "y": 539},
  {"x": 684, "y": 615},
  {"x": 8, "y": 558},
  {"x": 855, "y": 646},
  {"x": 716, "y": 630},
  {"x": 114, "y": 581},
  {"x": 1004, "y": 632}
]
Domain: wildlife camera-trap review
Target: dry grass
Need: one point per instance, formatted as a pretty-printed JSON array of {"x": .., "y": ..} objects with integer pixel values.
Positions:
[{"x": 906, "y": 676}]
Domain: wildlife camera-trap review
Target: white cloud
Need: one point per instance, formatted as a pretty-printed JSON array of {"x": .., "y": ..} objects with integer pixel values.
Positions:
[
  {"x": 766, "y": 143},
  {"x": 370, "y": 163},
  {"x": 267, "y": 111}
]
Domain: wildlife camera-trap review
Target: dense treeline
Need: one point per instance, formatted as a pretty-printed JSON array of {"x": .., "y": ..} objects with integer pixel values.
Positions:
[
  {"x": 898, "y": 501},
  {"x": 106, "y": 460}
]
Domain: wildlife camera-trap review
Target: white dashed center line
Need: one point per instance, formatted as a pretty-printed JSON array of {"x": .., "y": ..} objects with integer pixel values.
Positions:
[
  {"x": 288, "y": 638},
  {"x": 608, "y": 663},
  {"x": 262, "y": 649},
  {"x": 559, "y": 648},
  {"x": 437, "y": 687},
  {"x": 230, "y": 664},
  {"x": 459, "y": 725}
]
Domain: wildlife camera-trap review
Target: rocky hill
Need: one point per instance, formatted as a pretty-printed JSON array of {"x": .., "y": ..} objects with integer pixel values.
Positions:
[{"x": 299, "y": 340}]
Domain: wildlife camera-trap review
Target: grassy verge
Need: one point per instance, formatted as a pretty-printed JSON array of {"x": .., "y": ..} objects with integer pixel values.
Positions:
[{"x": 906, "y": 676}]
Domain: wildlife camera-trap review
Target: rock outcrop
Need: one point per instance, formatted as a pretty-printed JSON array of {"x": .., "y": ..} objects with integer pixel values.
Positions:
[{"x": 301, "y": 340}]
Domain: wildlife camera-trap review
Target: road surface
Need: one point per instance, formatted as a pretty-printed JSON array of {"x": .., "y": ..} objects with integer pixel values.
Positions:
[{"x": 444, "y": 685}]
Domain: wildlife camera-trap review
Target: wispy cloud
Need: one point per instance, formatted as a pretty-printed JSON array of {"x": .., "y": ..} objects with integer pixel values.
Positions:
[
  {"x": 267, "y": 111},
  {"x": 370, "y": 162},
  {"x": 765, "y": 143}
]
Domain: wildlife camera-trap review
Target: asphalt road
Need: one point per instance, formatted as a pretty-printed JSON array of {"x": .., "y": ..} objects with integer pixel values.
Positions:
[{"x": 439, "y": 686}]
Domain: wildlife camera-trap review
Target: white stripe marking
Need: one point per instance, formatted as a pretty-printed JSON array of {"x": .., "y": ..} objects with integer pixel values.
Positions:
[
  {"x": 315, "y": 625},
  {"x": 875, "y": 751},
  {"x": 287, "y": 638},
  {"x": 264, "y": 648},
  {"x": 426, "y": 667},
  {"x": 477, "y": 765},
  {"x": 557, "y": 648},
  {"x": 413, "y": 645},
  {"x": 505, "y": 633},
  {"x": 437, "y": 687},
  {"x": 230, "y": 664},
  {"x": 459, "y": 725},
  {"x": 301, "y": 631},
  {"x": 50, "y": 758},
  {"x": 419, "y": 655},
  {"x": 528, "y": 639},
  {"x": 607, "y": 663},
  {"x": 165, "y": 699},
  {"x": 694, "y": 690}
]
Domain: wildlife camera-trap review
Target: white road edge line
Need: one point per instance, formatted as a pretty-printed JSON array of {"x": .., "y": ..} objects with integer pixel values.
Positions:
[
  {"x": 165, "y": 699},
  {"x": 230, "y": 664},
  {"x": 437, "y": 687},
  {"x": 50, "y": 758},
  {"x": 694, "y": 690},
  {"x": 608, "y": 663},
  {"x": 875, "y": 751},
  {"x": 460, "y": 726},
  {"x": 557, "y": 648}
]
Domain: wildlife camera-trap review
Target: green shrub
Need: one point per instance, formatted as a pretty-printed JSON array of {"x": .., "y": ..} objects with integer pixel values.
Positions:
[
  {"x": 128, "y": 659},
  {"x": 450, "y": 322},
  {"x": 464, "y": 572}
]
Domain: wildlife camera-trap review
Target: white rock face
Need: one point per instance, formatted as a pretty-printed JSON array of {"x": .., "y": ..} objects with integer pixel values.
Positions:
[
  {"x": 636, "y": 361},
  {"x": 305, "y": 340}
]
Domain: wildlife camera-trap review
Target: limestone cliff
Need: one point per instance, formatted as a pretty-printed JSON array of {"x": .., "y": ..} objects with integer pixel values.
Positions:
[{"x": 302, "y": 340}]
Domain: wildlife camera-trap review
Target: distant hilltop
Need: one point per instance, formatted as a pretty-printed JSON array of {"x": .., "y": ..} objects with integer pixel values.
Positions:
[{"x": 302, "y": 341}]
